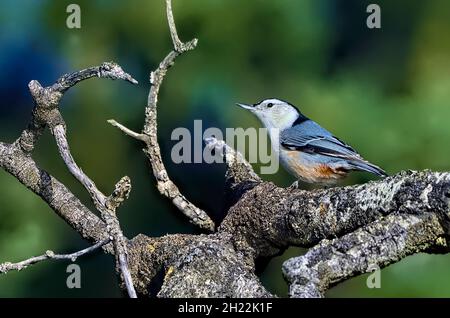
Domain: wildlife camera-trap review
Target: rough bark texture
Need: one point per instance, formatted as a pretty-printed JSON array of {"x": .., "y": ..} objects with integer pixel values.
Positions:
[
  {"x": 378, "y": 244},
  {"x": 193, "y": 266},
  {"x": 347, "y": 229},
  {"x": 20, "y": 164},
  {"x": 385, "y": 221},
  {"x": 297, "y": 217}
]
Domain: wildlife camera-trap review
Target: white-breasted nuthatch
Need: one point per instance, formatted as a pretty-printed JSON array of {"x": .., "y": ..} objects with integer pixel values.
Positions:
[{"x": 308, "y": 151}]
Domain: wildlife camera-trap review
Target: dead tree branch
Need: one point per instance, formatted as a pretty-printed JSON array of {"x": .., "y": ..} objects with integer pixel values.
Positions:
[
  {"x": 372, "y": 224},
  {"x": 47, "y": 99},
  {"x": 150, "y": 137},
  {"x": 59, "y": 131},
  {"x": 373, "y": 246},
  {"x": 106, "y": 205},
  {"x": 16, "y": 158},
  {"x": 108, "y": 212},
  {"x": 46, "y": 113},
  {"x": 18, "y": 163}
]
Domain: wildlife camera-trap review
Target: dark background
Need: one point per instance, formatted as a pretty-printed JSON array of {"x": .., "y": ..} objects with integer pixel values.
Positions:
[{"x": 386, "y": 92}]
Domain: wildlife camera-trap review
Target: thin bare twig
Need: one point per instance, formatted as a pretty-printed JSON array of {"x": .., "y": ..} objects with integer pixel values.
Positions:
[
  {"x": 127, "y": 131},
  {"x": 149, "y": 133},
  {"x": 59, "y": 132},
  {"x": 109, "y": 70},
  {"x": 6, "y": 267},
  {"x": 179, "y": 46},
  {"x": 46, "y": 99},
  {"x": 119, "y": 195},
  {"x": 106, "y": 205}
]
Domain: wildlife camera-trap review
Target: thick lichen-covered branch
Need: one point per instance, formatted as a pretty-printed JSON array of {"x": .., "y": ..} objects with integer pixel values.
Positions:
[
  {"x": 192, "y": 266},
  {"x": 350, "y": 229},
  {"x": 369, "y": 248},
  {"x": 401, "y": 220},
  {"x": 303, "y": 218},
  {"x": 18, "y": 163}
]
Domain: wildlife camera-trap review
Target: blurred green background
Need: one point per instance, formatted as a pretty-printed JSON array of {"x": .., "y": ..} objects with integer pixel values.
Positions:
[{"x": 385, "y": 91}]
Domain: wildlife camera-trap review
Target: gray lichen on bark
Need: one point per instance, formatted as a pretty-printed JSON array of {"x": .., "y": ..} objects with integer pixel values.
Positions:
[
  {"x": 404, "y": 214},
  {"x": 22, "y": 166}
]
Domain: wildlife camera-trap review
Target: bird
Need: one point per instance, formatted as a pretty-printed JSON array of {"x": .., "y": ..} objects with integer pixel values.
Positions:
[{"x": 308, "y": 151}]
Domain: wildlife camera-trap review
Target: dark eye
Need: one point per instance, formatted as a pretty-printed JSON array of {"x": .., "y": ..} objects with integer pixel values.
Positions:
[{"x": 269, "y": 105}]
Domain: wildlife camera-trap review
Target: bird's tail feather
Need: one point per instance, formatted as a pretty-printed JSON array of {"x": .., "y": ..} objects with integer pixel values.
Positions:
[{"x": 369, "y": 167}]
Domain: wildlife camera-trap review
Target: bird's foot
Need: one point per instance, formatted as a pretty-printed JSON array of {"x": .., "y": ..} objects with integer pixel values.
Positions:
[{"x": 294, "y": 185}]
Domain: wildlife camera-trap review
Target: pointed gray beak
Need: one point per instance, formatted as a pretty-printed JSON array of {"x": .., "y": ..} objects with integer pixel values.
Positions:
[{"x": 245, "y": 106}]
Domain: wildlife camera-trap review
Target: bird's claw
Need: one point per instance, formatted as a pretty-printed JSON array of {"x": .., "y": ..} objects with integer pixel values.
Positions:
[{"x": 294, "y": 185}]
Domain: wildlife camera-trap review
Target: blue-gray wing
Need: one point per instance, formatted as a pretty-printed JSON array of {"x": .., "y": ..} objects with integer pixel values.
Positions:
[{"x": 312, "y": 138}]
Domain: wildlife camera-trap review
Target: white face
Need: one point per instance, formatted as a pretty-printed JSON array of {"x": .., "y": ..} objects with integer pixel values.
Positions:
[{"x": 274, "y": 113}]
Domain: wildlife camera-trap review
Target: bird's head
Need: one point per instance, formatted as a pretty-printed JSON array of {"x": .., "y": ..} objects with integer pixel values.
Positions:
[{"x": 274, "y": 113}]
